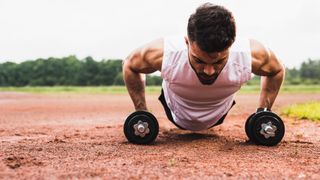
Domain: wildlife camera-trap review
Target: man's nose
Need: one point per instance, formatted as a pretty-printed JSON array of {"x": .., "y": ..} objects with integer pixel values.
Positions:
[{"x": 209, "y": 70}]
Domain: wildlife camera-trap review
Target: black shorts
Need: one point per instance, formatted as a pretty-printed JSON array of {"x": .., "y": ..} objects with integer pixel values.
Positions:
[{"x": 169, "y": 115}]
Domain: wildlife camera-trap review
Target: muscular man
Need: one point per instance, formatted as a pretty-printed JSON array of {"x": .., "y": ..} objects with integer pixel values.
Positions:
[{"x": 202, "y": 71}]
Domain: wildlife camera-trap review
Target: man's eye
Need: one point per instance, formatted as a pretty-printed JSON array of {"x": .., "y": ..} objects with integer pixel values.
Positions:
[
  {"x": 219, "y": 62},
  {"x": 199, "y": 62}
]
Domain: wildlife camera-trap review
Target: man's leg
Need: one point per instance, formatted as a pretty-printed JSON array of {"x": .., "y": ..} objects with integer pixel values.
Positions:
[
  {"x": 224, "y": 116},
  {"x": 169, "y": 115},
  {"x": 166, "y": 109}
]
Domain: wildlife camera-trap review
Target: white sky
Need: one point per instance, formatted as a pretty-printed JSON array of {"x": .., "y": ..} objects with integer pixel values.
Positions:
[{"x": 106, "y": 29}]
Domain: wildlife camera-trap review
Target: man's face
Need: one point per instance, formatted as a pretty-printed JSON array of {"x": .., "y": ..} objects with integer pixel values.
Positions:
[{"x": 207, "y": 66}]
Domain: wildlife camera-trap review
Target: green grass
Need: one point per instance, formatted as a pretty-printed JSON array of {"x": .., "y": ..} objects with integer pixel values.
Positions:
[
  {"x": 309, "y": 111},
  {"x": 76, "y": 89},
  {"x": 301, "y": 89},
  {"x": 252, "y": 89}
]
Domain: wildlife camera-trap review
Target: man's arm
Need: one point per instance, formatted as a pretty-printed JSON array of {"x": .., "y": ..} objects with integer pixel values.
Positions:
[
  {"x": 144, "y": 60},
  {"x": 271, "y": 70}
]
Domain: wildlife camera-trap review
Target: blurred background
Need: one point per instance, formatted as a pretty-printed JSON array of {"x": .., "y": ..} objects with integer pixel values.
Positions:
[{"x": 82, "y": 42}]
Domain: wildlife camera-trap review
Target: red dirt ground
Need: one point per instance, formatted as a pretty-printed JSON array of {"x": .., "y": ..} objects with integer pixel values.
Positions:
[{"x": 80, "y": 136}]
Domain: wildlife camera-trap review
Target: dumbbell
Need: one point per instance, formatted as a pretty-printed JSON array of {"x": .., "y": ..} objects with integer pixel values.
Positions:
[
  {"x": 141, "y": 127},
  {"x": 265, "y": 128}
]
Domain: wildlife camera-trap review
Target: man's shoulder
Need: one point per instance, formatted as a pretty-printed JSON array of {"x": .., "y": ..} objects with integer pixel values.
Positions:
[
  {"x": 240, "y": 54},
  {"x": 175, "y": 43},
  {"x": 259, "y": 50},
  {"x": 241, "y": 44}
]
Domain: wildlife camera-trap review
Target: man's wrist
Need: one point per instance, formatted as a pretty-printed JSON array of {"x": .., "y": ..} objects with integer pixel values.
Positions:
[{"x": 260, "y": 109}]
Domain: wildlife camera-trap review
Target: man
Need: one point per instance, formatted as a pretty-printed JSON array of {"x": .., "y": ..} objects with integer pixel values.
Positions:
[{"x": 202, "y": 72}]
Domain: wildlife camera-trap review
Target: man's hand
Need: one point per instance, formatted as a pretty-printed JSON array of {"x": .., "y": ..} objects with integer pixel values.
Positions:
[{"x": 266, "y": 64}]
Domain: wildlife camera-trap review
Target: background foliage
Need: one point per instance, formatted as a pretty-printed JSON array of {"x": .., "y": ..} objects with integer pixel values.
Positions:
[{"x": 70, "y": 71}]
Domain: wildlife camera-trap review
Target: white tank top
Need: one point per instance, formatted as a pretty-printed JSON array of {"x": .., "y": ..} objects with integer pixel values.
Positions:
[{"x": 195, "y": 106}]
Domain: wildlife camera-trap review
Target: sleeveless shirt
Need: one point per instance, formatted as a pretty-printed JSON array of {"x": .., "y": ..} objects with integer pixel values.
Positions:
[{"x": 195, "y": 106}]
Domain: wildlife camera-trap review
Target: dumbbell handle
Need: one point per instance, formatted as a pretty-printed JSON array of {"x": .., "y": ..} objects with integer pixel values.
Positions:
[{"x": 260, "y": 109}]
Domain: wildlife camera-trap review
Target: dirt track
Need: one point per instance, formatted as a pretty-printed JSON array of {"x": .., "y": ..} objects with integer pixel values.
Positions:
[{"x": 80, "y": 136}]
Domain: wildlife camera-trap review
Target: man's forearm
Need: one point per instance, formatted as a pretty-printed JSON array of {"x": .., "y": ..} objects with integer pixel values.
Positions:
[
  {"x": 270, "y": 86},
  {"x": 135, "y": 83}
]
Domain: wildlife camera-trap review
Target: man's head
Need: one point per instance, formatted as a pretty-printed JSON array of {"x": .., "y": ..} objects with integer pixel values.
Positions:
[{"x": 211, "y": 32}]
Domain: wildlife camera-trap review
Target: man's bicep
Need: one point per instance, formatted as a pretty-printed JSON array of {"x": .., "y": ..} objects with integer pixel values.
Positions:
[
  {"x": 146, "y": 59},
  {"x": 153, "y": 54},
  {"x": 264, "y": 61}
]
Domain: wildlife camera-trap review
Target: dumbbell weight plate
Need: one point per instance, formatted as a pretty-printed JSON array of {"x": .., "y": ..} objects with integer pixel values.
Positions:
[
  {"x": 248, "y": 127},
  {"x": 270, "y": 119},
  {"x": 144, "y": 120}
]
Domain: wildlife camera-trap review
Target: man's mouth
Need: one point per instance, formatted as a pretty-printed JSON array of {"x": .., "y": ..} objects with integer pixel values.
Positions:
[
  {"x": 205, "y": 77},
  {"x": 207, "y": 80}
]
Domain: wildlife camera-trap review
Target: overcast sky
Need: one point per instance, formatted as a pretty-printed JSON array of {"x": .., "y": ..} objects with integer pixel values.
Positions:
[{"x": 106, "y": 29}]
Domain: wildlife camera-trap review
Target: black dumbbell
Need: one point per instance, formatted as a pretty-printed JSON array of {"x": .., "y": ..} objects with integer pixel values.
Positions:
[
  {"x": 265, "y": 128},
  {"x": 141, "y": 127}
]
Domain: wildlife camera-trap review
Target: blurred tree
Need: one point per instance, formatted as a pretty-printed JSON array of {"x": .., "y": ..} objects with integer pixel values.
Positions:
[
  {"x": 310, "y": 72},
  {"x": 118, "y": 81},
  {"x": 72, "y": 71},
  {"x": 292, "y": 76},
  {"x": 153, "y": 80},
  {"x": 310, "y": 69}
]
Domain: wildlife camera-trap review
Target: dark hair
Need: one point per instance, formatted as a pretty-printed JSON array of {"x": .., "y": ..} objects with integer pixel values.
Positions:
[{"x": 212, "y": 27}]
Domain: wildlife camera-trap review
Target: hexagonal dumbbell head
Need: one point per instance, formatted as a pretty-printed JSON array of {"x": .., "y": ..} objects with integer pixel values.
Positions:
[
  {"x": 265, "y": 128},
  {"x": 141, "y": 127}
]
